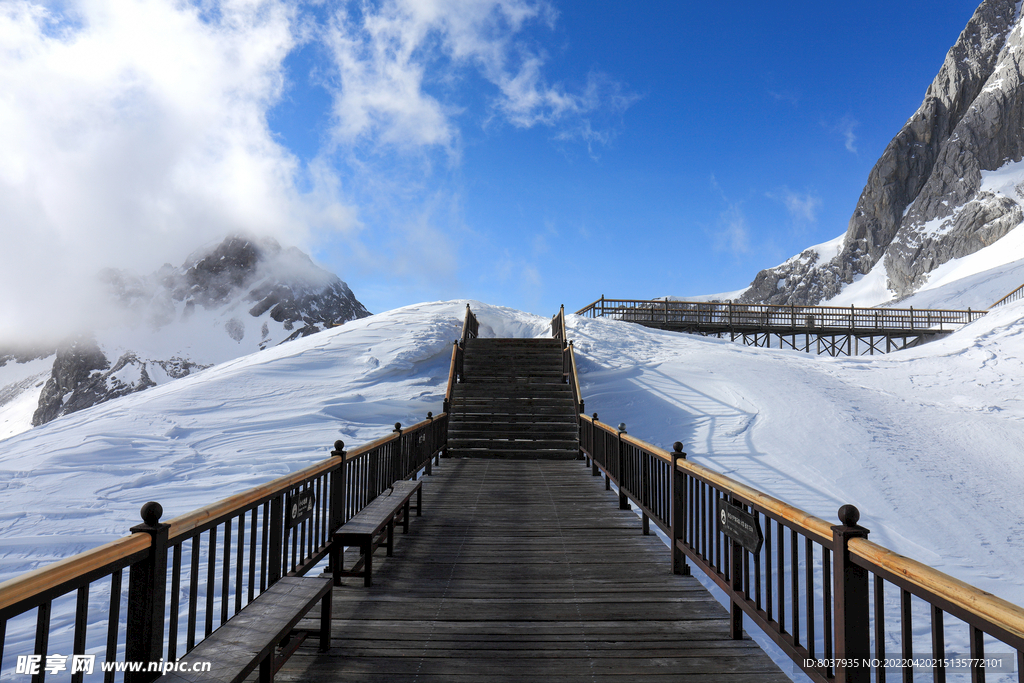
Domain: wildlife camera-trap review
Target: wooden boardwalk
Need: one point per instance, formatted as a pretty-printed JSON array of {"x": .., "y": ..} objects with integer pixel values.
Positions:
[{"x": 526, "y": 570}]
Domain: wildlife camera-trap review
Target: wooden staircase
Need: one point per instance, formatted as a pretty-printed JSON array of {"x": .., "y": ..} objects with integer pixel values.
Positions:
[{"x": 513, "y": 402}]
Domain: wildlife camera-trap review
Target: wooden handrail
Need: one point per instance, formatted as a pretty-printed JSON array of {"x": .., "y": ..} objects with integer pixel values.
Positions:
[
  {"x": 61, "y": 572},
  {"x": 470, "y": 326},
  {"x": 991, "y": 614},
  {"x": 452, "y": 378},
  {"x": 575, "y": 375},
  {"x": 807, "y": 523},
  {"x": 182, "y": 525},
  {"x": 69, "y": 569},
  {"x": 973, "y": 600}
]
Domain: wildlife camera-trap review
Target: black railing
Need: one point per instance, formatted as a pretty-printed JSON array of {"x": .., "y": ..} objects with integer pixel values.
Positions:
[
  {"x": 818, "y": 590},
  {"x": 190, "y": 575}
]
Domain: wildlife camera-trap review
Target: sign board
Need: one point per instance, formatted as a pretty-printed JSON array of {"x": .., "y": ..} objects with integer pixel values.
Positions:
[
  {"x": 739, "y": 525},
  {"x": 300, "y": 507}
]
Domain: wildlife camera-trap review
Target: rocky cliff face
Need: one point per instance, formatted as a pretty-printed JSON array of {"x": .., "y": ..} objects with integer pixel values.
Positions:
[
  {"x": 924, "y": 202},
  {"x": 241, "y": 296}
]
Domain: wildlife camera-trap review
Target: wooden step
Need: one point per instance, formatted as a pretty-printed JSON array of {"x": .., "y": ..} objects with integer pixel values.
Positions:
[
  {"x": 464, "y": 430},
  {"x": 513, "y": 402},
  {"x": 499, "y": 420},
  {"x": 516, "y": 455}
]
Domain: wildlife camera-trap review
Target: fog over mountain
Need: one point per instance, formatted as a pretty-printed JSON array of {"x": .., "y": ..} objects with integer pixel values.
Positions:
[{"x": 241, "y": 296}]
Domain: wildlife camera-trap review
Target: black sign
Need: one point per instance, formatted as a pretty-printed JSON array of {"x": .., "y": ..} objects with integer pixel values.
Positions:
[
  {"x": 739, "y": 525},
  {"x": 300, "y": 506}
]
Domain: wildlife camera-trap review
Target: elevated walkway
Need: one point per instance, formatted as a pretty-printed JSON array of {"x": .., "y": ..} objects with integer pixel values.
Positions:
[
  {"x": 527, "y": 571},
  {"x": 832, "y": 330}
]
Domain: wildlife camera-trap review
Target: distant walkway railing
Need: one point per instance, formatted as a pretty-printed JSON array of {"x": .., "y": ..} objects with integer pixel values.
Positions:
[
  {"x": 729, "y": 315},
  {"x": 817, "y": 589},
  {"x": 833, "y": 329},
  {"x": 1015, "y": 295}
]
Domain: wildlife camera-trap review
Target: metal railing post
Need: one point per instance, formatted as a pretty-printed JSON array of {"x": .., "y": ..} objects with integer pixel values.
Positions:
[
  {"x": 147, "y": 586},
  {"x": 276, "y": 549},
  {"x": 736, "y": 583},
  {"x": 429, "y": 447},
  {"x": 623, "y": 500},
  {"x": 395, "y": 468},
  {"x": 338, "y": 507},
  {"x": 850, "y": 598},
  {"x": 679, "y": 565}
]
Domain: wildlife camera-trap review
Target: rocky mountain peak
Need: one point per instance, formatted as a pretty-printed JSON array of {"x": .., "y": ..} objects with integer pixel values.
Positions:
[
  {"x": 239, "y": 296},
  {"x": 923, "y": 203},
  {"x": 211, "y": 278}
]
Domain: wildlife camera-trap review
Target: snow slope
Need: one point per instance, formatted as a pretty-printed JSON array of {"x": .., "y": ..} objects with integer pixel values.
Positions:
[
  {"x": 927, "y": 442},
  {"x": 975, "y": 281}
]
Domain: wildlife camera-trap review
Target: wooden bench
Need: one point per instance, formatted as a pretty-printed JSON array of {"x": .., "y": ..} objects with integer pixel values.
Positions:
[
  {"x": 373, "y": 526},
  {"x": 251, "y": 637}
]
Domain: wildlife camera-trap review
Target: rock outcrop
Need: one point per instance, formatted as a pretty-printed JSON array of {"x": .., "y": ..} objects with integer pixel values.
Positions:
[{"x": 923, "y": 203}]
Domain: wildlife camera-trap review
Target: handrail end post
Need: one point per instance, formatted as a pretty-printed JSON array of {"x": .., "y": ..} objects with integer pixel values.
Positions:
[
  {"x": 851, "y": 597},
  {"x": 147, "y": 586},
  {"x": 679, "y": 565}
]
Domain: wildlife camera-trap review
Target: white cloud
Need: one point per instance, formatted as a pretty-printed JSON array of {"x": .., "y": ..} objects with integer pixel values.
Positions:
[
  {"x": 133, "y": 131},
  {"x": 845, "y": 127},
  {"x": 397, "y": 59},
  {"x": 802, "y": 207},
  {"x": 733, "y": 233}
]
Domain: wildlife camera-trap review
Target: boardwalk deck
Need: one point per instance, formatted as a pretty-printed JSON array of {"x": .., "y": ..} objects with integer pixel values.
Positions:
[{"x": 527, "y": 571}]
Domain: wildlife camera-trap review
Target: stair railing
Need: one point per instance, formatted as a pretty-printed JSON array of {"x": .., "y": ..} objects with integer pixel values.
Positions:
[
  {"x": 470, "y": 330},
  {"x": 569, "y": 374},
  {"x": 817, "y": 589}
]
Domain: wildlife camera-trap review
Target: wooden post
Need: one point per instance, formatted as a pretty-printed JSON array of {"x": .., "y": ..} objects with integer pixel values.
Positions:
[
  {"x": 850, "y": 598},
  {"x": 679, "y": 565},
  {"x": 147, "y": 586}
]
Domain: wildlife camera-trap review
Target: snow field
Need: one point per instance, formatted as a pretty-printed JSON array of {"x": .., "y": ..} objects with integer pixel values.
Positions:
[{"x": 926, "y": 442}]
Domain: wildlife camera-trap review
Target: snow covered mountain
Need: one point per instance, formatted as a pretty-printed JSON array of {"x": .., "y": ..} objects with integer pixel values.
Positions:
[
  {"x": 240, "y": 296},
  {"x": 949, "y": 184}
]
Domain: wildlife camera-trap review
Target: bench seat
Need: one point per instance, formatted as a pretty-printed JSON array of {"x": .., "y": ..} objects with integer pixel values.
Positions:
[
  {"x": 250, "y": 638},
  {"x": 374, "y": 526}
]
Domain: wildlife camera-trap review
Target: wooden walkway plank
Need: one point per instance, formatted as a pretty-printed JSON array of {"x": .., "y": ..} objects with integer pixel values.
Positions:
[{"x": 526, "y": 570}]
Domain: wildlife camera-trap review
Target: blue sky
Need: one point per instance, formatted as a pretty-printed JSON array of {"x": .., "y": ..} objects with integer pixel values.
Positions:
[{"x": 522, "y": 152}]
